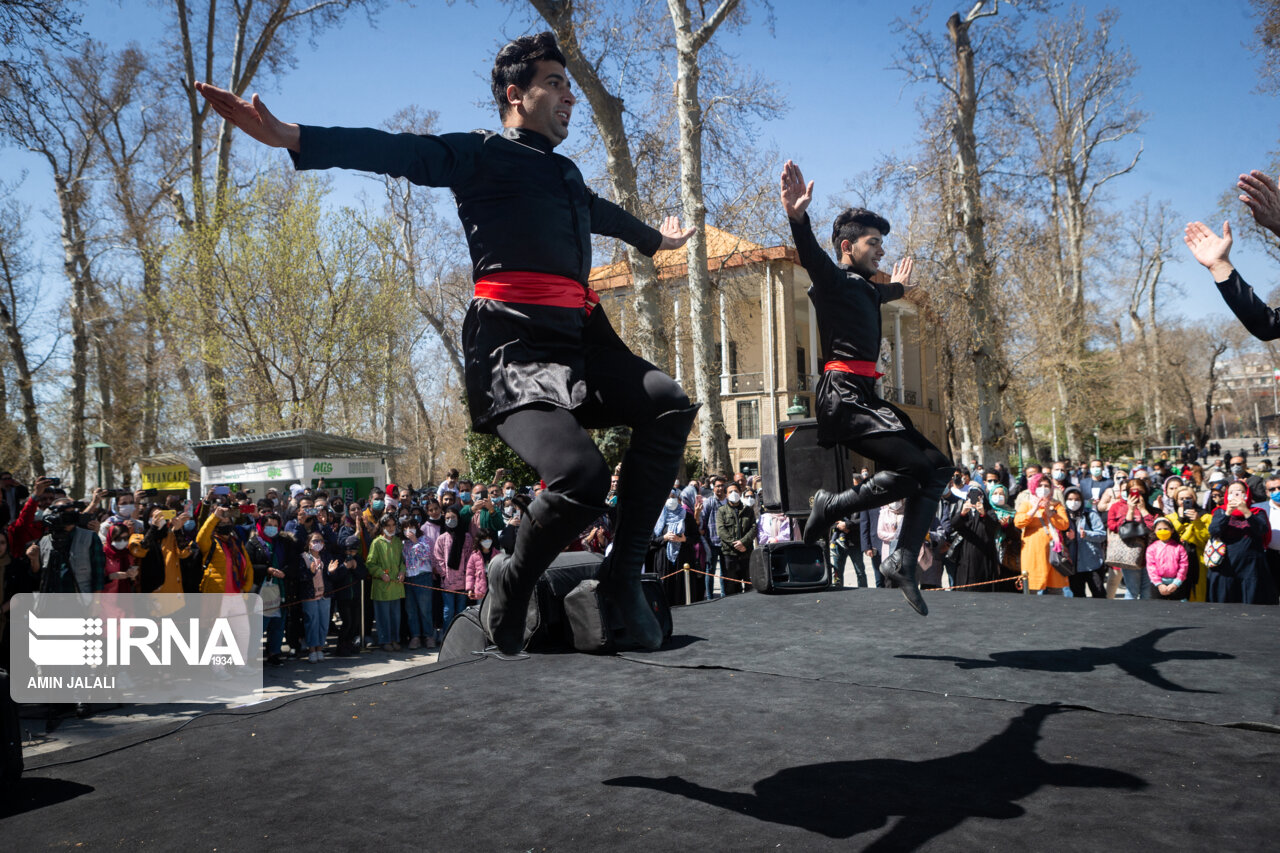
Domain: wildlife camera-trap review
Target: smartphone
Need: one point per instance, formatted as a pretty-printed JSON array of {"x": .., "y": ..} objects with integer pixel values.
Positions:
[
  {"x": 151, "y": 493},
  {"x": 54, "y": 481},
  {"x": 170, "y": 514},
  {"x": 222, "y": 490}
]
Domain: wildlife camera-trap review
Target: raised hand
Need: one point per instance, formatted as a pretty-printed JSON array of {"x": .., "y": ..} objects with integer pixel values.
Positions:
[
  {"x": 673, "y": 236},
  {"x": 253, "y": 118},
  {"x": 902, "y": 274},
  {"x": 1213, "y": 252},
  {"x": 1262, "y": 198},
  {"x": 796, "y": 194}
]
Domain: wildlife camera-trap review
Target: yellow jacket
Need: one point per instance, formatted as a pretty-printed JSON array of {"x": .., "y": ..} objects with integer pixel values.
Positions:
[{"x": 218, "y": 563}]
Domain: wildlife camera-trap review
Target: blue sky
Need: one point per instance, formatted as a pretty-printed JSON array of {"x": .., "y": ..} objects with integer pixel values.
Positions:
[{"x": 829, "y": 60}]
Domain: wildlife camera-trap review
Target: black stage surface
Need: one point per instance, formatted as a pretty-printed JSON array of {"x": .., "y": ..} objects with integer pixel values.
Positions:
[{"x": 832, "y": 721}]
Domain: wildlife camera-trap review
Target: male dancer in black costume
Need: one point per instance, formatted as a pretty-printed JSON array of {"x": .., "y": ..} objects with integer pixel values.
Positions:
[
  {"x": 847, "y": 305},
  {"x": 542, "y": 361}
]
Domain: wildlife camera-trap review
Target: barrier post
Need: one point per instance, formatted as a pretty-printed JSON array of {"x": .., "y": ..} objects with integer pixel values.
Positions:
[{"x": 688, "y": 589}]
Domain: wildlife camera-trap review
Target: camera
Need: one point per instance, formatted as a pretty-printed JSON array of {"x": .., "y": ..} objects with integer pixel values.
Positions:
[
  {"x": 975, "y": 495},
  {"x": 54, "y": 482}
]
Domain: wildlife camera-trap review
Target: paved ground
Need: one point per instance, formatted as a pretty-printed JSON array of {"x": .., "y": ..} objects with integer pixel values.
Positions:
[{"x": 46, "y": 730}]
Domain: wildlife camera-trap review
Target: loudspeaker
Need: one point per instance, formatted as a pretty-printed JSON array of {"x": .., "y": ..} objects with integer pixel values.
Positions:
[
  {"x": 789, "y": 567},
  {"x": 793, "y": 466}
]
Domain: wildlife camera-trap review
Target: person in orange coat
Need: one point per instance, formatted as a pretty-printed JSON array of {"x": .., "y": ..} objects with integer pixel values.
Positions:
[{"x": 1041, "y": 518}]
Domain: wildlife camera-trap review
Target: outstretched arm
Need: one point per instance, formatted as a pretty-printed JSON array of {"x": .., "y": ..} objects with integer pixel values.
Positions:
[
  {"x": 1262, "y": 197},
  {"x": 253, "y": 118},
  {"x": 1213, "y": 252},
  {"x": 795, "y": 193}
]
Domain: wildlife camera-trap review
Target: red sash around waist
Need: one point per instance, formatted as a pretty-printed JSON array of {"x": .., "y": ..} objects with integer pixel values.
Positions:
[
  {"x": 858, "y": 368},
  {"x": 534, "y": 288}
]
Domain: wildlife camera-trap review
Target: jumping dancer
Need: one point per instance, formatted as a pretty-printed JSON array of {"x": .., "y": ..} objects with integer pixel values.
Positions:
[
  {"x": 847, "y": 305},
  {"x": 543, "y": 363}
]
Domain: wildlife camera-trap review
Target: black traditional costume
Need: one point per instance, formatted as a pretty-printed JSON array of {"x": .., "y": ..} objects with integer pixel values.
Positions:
[
  {"x": 850, "y": 413},
  {"x": 542, "y": 360}
]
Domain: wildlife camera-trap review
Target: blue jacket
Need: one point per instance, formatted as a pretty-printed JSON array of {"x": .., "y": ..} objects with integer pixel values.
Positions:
[{"x": 1088, "y": 548}]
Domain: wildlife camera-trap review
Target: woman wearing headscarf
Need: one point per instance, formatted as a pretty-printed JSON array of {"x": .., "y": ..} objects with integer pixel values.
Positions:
[
  {"x": 1191, "y": 527},
  {"x": 1087, "y": 546},
  {"x": 1242, "y": 576},
  {"x": 977, "y": 557},
  {"x": 675, "y": 532},
  {"x": 449, "y": 560},
  {"x": 1128, "y": 554},
  {"x": 1008, "y": 540},
  {"x": 1041, "y": 518},
  {"x": 269, "y": 553}
]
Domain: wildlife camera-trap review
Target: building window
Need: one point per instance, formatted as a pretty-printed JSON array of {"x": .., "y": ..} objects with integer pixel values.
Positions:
[{"x": 748, "y": 419}]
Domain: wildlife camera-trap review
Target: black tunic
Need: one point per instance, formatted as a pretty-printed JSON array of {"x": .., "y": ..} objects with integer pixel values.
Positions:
[
  {"x": 523, "y": 208},
  {"x": 1262, "y": 322},
  {"x": 848, "y": 311}
]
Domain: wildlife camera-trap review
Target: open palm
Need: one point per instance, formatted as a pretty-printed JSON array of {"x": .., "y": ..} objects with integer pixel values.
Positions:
[
  {"x": 795, "y": 193},
  {"x": 1207, "y": 247}
]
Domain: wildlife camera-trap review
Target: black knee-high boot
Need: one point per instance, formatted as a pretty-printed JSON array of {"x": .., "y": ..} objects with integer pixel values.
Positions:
[
  {"x": 551, "y": 523},
  {"x": 902, "y": 564},
  {"x": 648, "y": 468},
  {"x": 883, "y": 487}
]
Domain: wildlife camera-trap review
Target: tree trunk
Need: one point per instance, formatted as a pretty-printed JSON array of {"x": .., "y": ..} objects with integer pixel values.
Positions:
[
  {"x": 606, "y": 112},
  {"x": 18, "y": 350},
  {"x": 75, "y": 266},
  {"x": 711, "y": 429},
  {"x": 985, "y": 354}
]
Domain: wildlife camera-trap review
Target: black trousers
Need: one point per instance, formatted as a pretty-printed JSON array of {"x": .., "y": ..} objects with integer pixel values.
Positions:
[
  {"x": 737, "y": 568},
  {"x": 623, "y": 389},
  {"x": 909, "y": 453},
  {"x": 1095, "y": 582}
]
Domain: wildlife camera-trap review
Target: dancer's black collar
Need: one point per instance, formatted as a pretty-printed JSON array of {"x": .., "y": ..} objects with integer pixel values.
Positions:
[{"x": 531, "y": 138}]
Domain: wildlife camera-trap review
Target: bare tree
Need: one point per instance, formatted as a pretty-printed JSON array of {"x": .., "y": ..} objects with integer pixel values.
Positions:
[
  {"x": 1077, "y": 106},
  {"x": 260, "y": 36},
  {"x": 689, "y": 41},
  {"x": 14, "y": 267}
]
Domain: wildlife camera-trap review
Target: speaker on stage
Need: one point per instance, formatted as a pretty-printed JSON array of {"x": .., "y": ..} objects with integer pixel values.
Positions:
[{"x": 793, "y": 466}]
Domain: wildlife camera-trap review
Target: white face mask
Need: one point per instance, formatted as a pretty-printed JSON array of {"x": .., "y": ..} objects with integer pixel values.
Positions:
[
  {"x": 672, "y": 503},
  {"x": 451, "y": 522},
  {"x": 125, "y": 510},
  {"x": 748, "y": 501},
  {"x": 998, "y": 500},
  {"x": 317, "y": 546},
  {"x": 120, "y": 544},
  {"x": 486, "y": 544},
  {"x": 1043, "y": 492},
  {"x": 1073, "y": 505},
  {"x": 734, "y": 497}
]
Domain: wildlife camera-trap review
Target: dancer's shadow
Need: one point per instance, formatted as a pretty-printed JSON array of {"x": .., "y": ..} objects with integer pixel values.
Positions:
[
  {"x": 840, "y": 799},
  {"x": 29, "y": 794},
  {"x": 1138, "y": 658}
]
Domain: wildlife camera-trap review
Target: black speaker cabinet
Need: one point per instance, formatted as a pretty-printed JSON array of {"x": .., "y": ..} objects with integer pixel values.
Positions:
[{"x": 793, "y": 466}]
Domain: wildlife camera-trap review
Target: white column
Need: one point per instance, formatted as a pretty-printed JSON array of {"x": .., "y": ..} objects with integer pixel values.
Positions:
[
  {"x": 770, "y": 353},
  {"x": 675, "y": 338},
  {"x": 898, "y": 370},
  {"x": 724, "y": 347},
  {"x": 813, "y": 341}
]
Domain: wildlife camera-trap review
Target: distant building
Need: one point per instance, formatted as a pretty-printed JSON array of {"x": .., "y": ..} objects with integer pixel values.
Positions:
[{"x": 767, "y": 339}]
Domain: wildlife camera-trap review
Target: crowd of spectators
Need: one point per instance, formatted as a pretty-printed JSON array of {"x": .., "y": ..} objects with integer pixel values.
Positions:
[{"x": 395, "y": 568}]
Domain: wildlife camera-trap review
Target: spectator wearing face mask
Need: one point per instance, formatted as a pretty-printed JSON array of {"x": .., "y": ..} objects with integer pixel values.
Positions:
[
  {"x": 1041, "y": 518},
  {"x": 977, "y": 560},
  {"x": 1271, "y": 509},
  {"x": 1095, "y": 485},
  {"x": 1087, "y": 546},
  {"x": 160, "y": 545},
  {"x": 1242, "y": 576},
  {"x": 386, "y": 566},
  {"x": 226, "y": 563},
  {"x": 270, "y": 556},
  {"x": 1191, "y": 526},
  {"x": 120, "y": 572},
  {"x": 674, "y": 532},
  {"x": 1119, "y": 479},
  {"x": 419, "y": 581},
  {"x": 347, "y": 585},
  {"x": 1061, "y": 478},
  {"x": 512, "y": 515},
  {"x": 1167, "y": 563},
  {"x": 1009, "y": 539},
  {"x": 318, "y": 570},
  {"x": 735, "y": 522},
  {"x": 774, "y": 526},
  {"x": 477, "y": 568},
  {"x": 453, "y": 551},
  {"x": 1128, "y": 556}
]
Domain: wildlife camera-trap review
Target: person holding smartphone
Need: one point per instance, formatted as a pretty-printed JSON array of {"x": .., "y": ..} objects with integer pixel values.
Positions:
[
  {"x": 1242, "y": 576},
  {"x": 1041, "y": 518}
]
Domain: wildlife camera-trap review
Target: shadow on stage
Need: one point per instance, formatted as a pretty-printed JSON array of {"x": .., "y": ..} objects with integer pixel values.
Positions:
[
  {"x": 36, "y": 793},
  {"x": 841, "y": 799},
  {"x": 1138, "y": 657}
]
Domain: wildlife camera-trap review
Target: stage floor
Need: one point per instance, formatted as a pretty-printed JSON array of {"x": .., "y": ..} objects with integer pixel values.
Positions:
[{"x": 837, "y": 721}]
